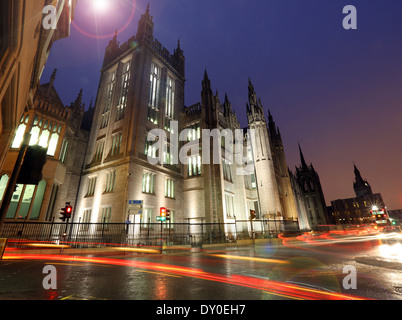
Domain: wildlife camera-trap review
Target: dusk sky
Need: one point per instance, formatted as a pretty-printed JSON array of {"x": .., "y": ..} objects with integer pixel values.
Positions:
[{"x": 336, "y": 92}]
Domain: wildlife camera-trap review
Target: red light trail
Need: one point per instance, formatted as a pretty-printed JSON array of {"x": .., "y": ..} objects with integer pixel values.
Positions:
[{"x": 273, "y": 287}]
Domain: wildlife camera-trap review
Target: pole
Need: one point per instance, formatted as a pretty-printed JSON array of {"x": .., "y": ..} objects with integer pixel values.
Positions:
[
  {"x": 161, "y": 236},
  {"x": 13, "y": 180}
]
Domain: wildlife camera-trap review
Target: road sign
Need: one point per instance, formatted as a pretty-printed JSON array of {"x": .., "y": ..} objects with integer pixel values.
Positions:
[
  {"x": 160, "y": 218},
  {"x": 135, "y": 206}
]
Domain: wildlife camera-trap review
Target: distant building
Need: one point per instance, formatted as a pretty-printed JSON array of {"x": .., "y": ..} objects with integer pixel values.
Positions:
[
  {"x": 357, "y": 210},
  {"x": 361, "y": 186},
  {"x": 309, "y": 196}
]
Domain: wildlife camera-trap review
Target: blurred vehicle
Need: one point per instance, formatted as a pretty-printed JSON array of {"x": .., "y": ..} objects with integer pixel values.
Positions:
[{"x": 380, "y": 217}]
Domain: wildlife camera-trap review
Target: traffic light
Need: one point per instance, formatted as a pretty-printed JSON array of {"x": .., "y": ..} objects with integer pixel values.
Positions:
[
  {"x": 163, "y": 212},
  {"x": 66, "y": 212},
  {"x": 167, "y": 214},
  {"x": 31, "y": 168}
]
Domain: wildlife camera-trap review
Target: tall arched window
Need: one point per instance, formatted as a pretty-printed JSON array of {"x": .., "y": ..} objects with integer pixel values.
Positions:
[
  {"x": 19, "y": 136},
  {"x": 3, "y": 185}
]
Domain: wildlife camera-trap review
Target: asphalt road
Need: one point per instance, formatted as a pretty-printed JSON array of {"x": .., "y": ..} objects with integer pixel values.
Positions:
[{"x": 293, "y": 270}]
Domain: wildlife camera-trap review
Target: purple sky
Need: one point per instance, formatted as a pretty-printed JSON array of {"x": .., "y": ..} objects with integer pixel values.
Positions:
[{"x": 337, "y": 92}]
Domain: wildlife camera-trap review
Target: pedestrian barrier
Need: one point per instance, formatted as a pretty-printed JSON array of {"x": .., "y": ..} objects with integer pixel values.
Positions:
[{"x": 152, "y": 234}]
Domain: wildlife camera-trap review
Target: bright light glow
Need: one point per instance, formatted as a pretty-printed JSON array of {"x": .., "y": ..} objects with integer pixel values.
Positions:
[
  {"x": 375, "y": 208},
  {"x": 393, "y": 252},
  {"x": 137, "y": 250},
  {"x": 101, "y": 5},
  {"x": 48, "y": 245},
  {"x": 225, "y": 256}
]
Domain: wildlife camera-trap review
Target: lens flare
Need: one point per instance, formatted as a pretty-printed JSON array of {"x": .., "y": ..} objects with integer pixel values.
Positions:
[{"x": 100, "y": 5}]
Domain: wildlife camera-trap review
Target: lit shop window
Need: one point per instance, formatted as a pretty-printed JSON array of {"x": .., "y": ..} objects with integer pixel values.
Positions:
[{"x": 26, "y": 200}]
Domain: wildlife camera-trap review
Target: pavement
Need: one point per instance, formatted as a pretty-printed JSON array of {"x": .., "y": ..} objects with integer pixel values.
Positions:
[
  {"x": 116, "y": 251},
  {"x": 382, "y": 262}
]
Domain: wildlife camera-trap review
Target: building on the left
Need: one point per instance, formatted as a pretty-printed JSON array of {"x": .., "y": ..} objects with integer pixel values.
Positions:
[
  {"x": 25, "y": 45},
  {"x": 61, "y": 130}
]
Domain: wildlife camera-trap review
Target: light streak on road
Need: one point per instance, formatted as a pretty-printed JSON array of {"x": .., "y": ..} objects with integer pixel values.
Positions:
[
  {"x": 270, "y": 286},
  {"x": 232, "y": 257}
]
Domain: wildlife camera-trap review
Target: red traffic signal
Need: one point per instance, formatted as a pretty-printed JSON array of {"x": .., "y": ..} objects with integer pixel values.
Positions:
[
  {"x": 163, "y": 212},
  {"x": 66, "y": 212}
]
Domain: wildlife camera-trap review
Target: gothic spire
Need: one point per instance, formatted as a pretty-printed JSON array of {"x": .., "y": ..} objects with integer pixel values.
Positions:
[{"x": 303, "y": 162}]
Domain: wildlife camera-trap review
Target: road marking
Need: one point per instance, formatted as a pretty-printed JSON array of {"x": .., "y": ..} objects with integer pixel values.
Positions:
[
  {"x": 283, "y": 295},
  {"x": 75, "y": 264},
  {"x": 77, "y": 297},
  {"x": 226, "y": 256},
  {"x": 160, "y": 273}
]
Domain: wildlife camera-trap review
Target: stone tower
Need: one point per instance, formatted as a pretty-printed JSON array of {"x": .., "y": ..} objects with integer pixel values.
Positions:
[
  {"x": 360, "y": 185},
  {"x": 309, "y": 182},
  {"x": 267, "y": 185}
]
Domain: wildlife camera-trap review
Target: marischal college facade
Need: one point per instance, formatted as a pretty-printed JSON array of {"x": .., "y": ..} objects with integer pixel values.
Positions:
[
  {"x": 141, "y": 90},
  {"x": 141, "y": 99}
]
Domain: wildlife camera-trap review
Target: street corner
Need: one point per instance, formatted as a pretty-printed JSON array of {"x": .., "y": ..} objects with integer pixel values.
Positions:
[{"x": 379, "y": 261}]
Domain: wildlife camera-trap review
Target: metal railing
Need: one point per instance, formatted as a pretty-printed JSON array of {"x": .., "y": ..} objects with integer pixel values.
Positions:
[{"x": 169, "y": 234}]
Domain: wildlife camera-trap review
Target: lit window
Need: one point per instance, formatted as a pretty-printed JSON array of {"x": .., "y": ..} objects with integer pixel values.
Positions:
[
  {"x": 148, "y": 182},
  {"x": 19, "y": 136},
  {"x": 169, "y": 112},
  {"x": 121, "y": 108},
  {"x": 44, "y": 137},
  {"x": 229, "y": 205},
  {"x": 105, "y": 218},
  {"x": 63, "y": 151},
  {"x": 53, "y": 144},
  {"x": 110, "y": 181},
  {"x": 227, "y": 172},
  {"x": 3, "y": 185},
  {"x": 99, "y": 151},
  {"x": 153, "y": 94},
  {"x": 34, "y": 135},
  {"x": 169, "y": 188},
  {"x": 194, "y": 166},
  {"x": 116, "y": 144},
  {"x": 91, "y": 187}
]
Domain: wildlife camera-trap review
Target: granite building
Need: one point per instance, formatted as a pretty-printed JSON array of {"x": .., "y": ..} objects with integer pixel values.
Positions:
[{"x": 141, "y": 96}]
